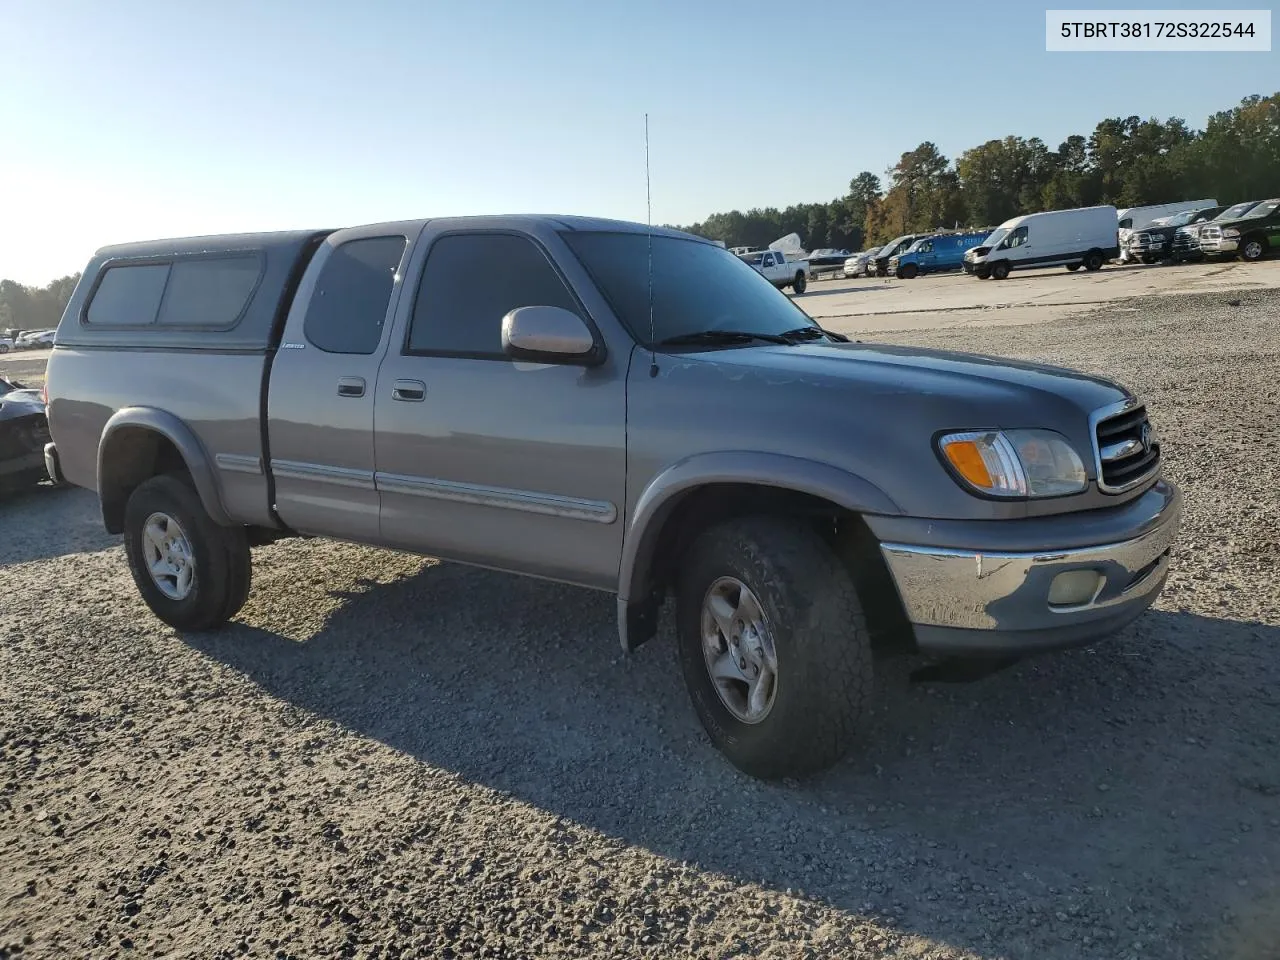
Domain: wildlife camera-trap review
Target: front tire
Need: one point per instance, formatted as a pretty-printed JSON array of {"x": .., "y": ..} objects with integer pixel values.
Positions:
[
  {"x": 910, "y": 271},
  {"x": 773, "y": 646},
  {"x": 1000, "y": 270},
  {"x": 799, "y": 284},
  {"x": 1073, "y": 267},
  {"x": 1252, "y": 250},
  {"x": 193, "y": 573}
]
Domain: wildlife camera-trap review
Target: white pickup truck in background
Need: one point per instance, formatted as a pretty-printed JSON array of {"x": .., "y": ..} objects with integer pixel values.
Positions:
[{"x": 778, "y": 270}]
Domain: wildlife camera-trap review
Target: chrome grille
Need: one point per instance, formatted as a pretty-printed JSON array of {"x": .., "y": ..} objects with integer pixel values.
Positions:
[{"x": 1125, "y": 449}]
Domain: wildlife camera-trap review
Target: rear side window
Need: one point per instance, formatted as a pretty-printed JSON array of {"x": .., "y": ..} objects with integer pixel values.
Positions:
[
  {"x": 186, "y": 292},
  {"x": 349, "y": 305},
  {"x": 128, "y": 295},
  {"x": 210, "y": 292},
  {"x": 470, "y": 282}
]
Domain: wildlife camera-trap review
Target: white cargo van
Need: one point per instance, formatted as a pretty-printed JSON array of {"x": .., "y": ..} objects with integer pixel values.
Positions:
[
  {"x": 1086, "y": 237},
  {"x": 1131, "y": 219}
]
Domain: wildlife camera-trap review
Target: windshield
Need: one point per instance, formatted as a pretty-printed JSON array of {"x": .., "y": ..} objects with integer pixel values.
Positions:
[
  {"x": 1182, "y": 218},
  {"x": 1239, "y": 210},
  {"x": 1264, "y": 209},
  {"x": 998, "y": 234},
  {"x": 696, "y": 287}
]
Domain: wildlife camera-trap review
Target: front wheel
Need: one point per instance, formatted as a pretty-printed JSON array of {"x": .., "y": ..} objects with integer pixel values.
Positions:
[
  {"x": 799, "y": 284},
  {"x": 773, "y": 646},
  {"x": 193, "y": 573},
  {"x": 1073, "y": 267},
  {"x": 1252, "y": 250},
  {"x": 910, "y": 271},
  {"x": 1000, "y": 270}
]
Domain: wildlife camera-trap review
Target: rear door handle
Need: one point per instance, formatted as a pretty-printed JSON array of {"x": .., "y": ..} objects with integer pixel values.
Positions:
[
  {"x": 411, "y": 391},
  {"x": 351, "y": 386}
]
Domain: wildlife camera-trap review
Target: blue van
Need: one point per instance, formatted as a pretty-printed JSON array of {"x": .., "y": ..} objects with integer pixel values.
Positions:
[{"x": 943, "y": 251}]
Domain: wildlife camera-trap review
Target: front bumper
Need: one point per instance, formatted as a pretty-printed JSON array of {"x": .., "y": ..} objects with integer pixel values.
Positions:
[
  {"x": 992, "y": 596},
  {"x": 1219, "y": 245},
  {"x": 1153, "y": 248}
]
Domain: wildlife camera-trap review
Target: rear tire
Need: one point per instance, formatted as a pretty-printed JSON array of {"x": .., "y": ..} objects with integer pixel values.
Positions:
[
  {"x": 1073, "y": 267},
  {"x": 1093, "y": 261},
  {"x": 799, "y": 284},
  {"x": 809, "y": 644},
  {"x": 166, "y": 528},
  {"x": 1000, "y": 270}
]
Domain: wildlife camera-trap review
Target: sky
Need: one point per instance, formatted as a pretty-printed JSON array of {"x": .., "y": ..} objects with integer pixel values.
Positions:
[{"x": 127, "y": 120}]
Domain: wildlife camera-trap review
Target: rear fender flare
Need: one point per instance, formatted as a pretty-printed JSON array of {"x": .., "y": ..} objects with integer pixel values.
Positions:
[{"x": 183, "y": 439}]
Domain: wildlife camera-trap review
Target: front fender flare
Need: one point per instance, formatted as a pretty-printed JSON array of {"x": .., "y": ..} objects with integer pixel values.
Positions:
[
  {"x": 184, "y": 440},
  {"x": 660, "y": 496}
]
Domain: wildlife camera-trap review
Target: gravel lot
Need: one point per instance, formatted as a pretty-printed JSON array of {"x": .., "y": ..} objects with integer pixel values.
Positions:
[{"x": 387, "y": 757}]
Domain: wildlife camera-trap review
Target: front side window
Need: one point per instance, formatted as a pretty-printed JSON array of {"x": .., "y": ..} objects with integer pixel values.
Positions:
[
  {"x": 470, "y": 282},
  {"x": 696, "y": 287},
  {"x": 1015, "y": 239},
  {"x": 349, "y": 305}
]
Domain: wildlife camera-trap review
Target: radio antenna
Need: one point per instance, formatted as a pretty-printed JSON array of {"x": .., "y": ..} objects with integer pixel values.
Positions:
[{"x": 648, "y": 199}]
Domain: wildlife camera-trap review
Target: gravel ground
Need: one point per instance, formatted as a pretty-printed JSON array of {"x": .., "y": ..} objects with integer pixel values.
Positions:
[{"x": 388, "y": 757}]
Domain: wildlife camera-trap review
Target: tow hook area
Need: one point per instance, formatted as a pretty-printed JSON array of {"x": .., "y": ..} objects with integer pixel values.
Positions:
[{"x": 961, "y": 669}]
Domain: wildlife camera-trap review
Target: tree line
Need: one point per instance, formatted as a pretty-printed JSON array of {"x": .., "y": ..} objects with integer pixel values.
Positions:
[
  {"x": 34, "y": 308},
  {"x": 1126, "y": 162}
]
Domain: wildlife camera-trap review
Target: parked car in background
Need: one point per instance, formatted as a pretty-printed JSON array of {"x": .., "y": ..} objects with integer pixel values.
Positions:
[
  {"x": 1086, "y": 236},
  {"x": 1155, "y": 242},
  {"x": 774, "y": 266},
  {"x": 891, "y": 249},
  {"x": 1250, "y": 236},
  {"x": 5, "y": 344},
  {"x": 1135, "y": 218},
  {"x": 34, "y": 340},
  {"x": 860, "y": 264},
  {"x": 826, "y": 261},
  {"x": 1186, "y": 240},
  {"x": 934, "y": 254},
  {"x": 620, "y": 408},
  {"x": 24, "y": 431}
]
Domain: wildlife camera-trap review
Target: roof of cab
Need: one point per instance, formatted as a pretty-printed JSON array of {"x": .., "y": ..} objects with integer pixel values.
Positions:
[{"x": 221, "y": 243}]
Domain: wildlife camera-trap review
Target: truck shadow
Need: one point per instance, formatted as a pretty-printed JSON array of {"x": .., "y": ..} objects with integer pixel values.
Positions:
[{"x": 1075, "y": 783}]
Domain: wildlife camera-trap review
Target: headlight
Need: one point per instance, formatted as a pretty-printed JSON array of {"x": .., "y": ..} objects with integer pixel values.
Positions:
[
  {"x": 1230, "y": 232},
  {"x": 1015, "y": 463}
]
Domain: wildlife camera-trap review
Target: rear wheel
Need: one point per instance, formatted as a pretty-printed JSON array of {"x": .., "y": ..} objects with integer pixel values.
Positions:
[
  {"x": 799, "y": 283},
  {"x": 1073, "y": 267},
  {"x": 193, "y": 573},
  {"x": 1093, "y": 261},
  {"x": 773, "y": 646},
  {"x": 1252, "y": 249},
  {"x": 1000, "y": 270}
]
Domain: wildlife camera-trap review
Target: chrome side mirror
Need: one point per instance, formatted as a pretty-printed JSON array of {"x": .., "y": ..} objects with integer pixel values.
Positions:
[{"x": 549, "y": 335}]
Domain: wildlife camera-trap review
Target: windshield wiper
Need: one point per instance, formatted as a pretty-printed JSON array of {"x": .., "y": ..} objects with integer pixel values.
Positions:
[
  {"x": 815, "y": 332},
  {"x": 723, "y": 336}
]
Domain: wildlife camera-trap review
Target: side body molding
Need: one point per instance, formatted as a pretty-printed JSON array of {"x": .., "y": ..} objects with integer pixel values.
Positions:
[
  {"x": 665, "y": 491},
  {"x": 182, "y": 437}
]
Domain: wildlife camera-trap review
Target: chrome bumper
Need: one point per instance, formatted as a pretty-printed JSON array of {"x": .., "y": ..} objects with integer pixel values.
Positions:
[
  {"x": 999, "y": 601},
  {"x": 1223, "y": 245}
]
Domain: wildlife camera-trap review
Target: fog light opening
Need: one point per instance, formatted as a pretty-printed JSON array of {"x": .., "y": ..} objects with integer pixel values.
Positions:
[{"x": 1075, "y": 588}]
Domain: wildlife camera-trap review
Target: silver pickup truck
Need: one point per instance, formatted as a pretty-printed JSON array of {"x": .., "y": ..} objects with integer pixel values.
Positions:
[{"x": 629, "y": 410}]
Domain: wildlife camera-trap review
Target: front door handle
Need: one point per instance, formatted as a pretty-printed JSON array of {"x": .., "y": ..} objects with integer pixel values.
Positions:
[
  {"x": 351, "y": 386},
  {"x": 411, "y": 391}
]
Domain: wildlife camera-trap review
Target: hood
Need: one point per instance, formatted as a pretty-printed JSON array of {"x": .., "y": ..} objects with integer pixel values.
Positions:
[
  {"x": 926, "y": 371},
  {"x": 20, "y": 403}
]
